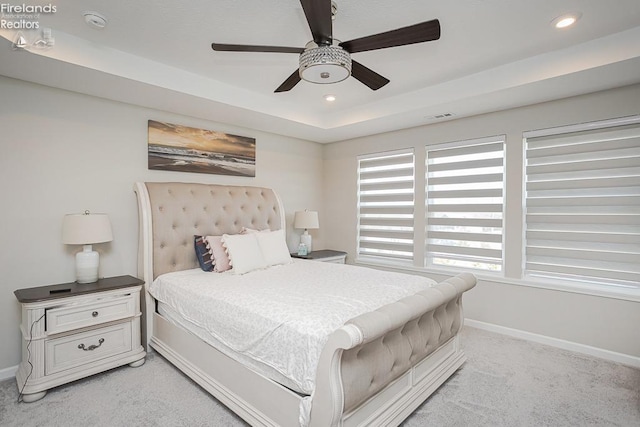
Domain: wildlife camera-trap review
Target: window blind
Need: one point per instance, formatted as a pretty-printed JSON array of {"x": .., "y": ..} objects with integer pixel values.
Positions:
[
  {"x": 386, "y": 205},
  {"x": 464, "y": 197},
  {"x": 582, "y": 214}
]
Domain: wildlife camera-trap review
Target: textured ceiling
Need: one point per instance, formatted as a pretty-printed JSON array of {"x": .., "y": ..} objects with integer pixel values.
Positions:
[{"x": 492, "y": 55}]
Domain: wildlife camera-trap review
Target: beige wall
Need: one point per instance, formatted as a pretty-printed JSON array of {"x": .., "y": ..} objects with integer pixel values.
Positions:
[
  {"x": 605, "y": 323},
  {"x": 61, "y": 152}
]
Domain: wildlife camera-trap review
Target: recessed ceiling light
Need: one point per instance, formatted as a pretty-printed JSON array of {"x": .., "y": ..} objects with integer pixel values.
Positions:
[
  {"x": 329, "y": 98},
  {"x": 566, "y": 20},
  {"x": 95, "y": 20}
]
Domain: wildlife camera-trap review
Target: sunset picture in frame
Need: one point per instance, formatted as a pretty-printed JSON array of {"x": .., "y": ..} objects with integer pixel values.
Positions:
[{"x": 186, "y": 149}]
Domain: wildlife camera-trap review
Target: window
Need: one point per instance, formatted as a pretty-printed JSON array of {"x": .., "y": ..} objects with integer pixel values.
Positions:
[
  {"x": 385, "y": 205},
  {"x": 465, "y": 203},
  {"x": 582, "y": 213}
]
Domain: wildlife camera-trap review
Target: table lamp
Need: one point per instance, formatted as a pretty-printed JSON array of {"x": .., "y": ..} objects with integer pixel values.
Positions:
[
  {"x": 86, "y": 229},
  {"x": 309, "y": 221}
]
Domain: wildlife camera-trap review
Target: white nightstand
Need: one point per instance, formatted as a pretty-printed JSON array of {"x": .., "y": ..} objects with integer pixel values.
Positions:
[
  {"x": 73, "y": 330},
  {"x": 325, "y": 255}
]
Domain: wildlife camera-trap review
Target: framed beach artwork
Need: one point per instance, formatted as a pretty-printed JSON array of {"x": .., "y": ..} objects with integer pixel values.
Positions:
[{"x": 186, "y": 149}]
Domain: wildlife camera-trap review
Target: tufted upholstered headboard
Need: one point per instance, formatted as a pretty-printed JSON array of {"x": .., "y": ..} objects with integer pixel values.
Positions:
[{"x": 171, "y": 213}]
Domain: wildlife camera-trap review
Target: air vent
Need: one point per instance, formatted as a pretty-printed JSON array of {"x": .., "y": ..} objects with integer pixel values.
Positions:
[{"x": 440, "y": 116}]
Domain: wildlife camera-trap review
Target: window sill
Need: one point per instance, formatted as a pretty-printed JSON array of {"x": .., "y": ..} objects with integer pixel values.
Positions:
[{"x": 626, "y": 294}]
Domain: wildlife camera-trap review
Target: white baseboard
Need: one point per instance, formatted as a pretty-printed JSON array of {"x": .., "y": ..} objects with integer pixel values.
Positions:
[
  {"x": 9, "y": 372},
  {"x": 613, "y": 356}
]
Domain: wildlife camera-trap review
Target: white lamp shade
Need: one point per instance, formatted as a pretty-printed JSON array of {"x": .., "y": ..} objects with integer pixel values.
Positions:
[
  {"x": 306, "y": 219},
  {"x": 86, "y": 229}
]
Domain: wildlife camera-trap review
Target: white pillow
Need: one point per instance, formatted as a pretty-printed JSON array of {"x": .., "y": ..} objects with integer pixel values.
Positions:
[
  {"x": 244, "y": 252},
  {"x": 274, "y": 247}
]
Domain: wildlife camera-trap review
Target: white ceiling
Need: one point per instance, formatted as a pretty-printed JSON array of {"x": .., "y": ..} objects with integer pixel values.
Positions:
[{"x": 492, "y": 55}]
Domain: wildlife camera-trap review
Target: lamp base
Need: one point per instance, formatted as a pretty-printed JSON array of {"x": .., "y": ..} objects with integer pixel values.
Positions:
[
  {"x": 87, "y": 263},
  {"x": 307, "y": 240}
]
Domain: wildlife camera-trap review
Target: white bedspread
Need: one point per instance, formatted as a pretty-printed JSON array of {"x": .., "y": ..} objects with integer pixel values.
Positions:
[{"x": 281, "y": 316}]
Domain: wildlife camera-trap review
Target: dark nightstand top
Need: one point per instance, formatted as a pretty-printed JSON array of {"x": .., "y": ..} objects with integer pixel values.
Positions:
[
  {"x": 63, "y": 290},
  {"x": 324, "y": 253}
]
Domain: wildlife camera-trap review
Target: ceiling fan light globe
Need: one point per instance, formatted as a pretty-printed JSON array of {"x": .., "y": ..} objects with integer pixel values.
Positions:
[{"x": 325, "y": 64}]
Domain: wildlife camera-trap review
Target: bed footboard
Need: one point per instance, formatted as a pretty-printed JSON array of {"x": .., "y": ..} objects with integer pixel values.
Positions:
[{"x": 382, "y": 352}]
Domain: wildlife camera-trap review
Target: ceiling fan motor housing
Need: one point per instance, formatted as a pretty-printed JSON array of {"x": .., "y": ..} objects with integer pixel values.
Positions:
[{"x": 325, "y": 64}]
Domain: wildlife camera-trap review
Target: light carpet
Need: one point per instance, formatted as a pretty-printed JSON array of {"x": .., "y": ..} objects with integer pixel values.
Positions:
[{"x": 505, "y": 382}]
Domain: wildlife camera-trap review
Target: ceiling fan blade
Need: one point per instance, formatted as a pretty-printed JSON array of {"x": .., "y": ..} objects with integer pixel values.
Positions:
[
  {"x": 366, "y": 76},
  {"x": 318, "y": 14},
  {"x": 418, "y": 33},
  {"x": 288, "y": 84},
  {"x": 248, "y": 48}
]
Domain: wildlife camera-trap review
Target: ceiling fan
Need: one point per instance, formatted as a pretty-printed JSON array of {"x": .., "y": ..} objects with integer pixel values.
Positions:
[{"x": 327, "y": 60}]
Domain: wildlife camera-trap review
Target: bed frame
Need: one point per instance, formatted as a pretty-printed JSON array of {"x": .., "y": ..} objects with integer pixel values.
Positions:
[{"x": 374, "y": 371}]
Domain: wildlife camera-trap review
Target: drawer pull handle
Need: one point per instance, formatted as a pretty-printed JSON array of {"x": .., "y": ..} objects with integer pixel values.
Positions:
[
  {"x": 94, "y": 314},
  {"x": 91, "y": 347}
]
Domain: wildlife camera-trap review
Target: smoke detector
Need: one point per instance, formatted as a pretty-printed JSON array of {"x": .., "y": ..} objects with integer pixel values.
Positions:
[{"x": 95, "y": 20}]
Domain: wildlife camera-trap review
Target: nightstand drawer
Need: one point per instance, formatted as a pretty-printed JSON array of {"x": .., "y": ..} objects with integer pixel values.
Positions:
[
  {"x": 98, "y": 311},
  {"x": 79, "y": 349}
]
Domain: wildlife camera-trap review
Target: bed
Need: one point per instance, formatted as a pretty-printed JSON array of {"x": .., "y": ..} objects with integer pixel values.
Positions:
[{"x": 373, "y": 369}]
